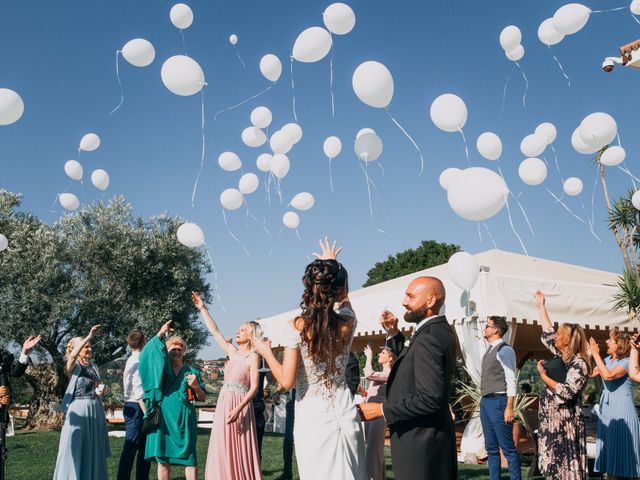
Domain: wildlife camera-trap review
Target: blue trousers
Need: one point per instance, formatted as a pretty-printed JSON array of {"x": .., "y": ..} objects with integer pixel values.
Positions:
[
  {"x": 498, "y": 435},
  {"x": 134, "y": 442}
]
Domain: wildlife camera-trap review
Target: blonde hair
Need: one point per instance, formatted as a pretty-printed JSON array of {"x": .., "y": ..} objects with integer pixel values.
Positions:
[
  {"x": 577, "y": 343},
  {"x": 256, "y": 329},
  {"x": 623, "y": 343},
  {"x": 71, "y": 345},
  {"x": 176, "y": 340}
]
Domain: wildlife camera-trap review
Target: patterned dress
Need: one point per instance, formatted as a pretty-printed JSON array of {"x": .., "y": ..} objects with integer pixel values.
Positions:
[{"x": 562, "y": 439}]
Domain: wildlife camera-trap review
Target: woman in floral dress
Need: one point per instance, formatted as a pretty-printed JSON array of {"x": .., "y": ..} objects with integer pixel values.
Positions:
[{"x": 562, "y": 440}]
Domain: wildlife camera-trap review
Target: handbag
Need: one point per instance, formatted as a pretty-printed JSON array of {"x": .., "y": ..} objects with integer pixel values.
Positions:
[
  {"x": 153, "y": 421},
  {"x": 556, "y": 369}
]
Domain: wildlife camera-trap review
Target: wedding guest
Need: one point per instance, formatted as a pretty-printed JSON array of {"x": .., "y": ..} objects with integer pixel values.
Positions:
[
  {"x": 374, "y": 431},
  {"x": 133, "y": 412},
  {"x": 171, "y": 386},
  {"x": 562, "y": 439},
  {"x": 394, "y": 337},
  {"x": 84, "y": 444},
  {"x": 618, "y": 437},
  {"x": 17, "y": 369},
  {"x": 233, "y": 447},
  {"x": 634, "y": 370}
]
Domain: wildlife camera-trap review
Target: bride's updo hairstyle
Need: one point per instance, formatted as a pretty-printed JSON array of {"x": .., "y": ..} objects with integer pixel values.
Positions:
[{"x": 326, "y": 282}]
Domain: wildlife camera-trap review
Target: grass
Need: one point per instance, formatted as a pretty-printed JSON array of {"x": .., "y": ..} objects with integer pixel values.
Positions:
[{"x": 33, "y": 456}]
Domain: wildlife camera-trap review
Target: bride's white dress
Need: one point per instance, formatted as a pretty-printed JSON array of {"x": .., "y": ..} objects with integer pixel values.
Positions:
[{"x": 327, "y": 431}]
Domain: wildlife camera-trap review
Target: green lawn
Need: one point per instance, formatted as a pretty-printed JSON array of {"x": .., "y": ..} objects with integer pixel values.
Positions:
[{"x": 32, "y": 456}]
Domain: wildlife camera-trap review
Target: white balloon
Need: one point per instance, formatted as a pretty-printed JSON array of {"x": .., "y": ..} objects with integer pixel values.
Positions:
[
  {"x": 229, "y": 161},
  {"x": 532, "y": 171},
  {"x": 368, "y": 147},
  {"x": 463, "y": 270},
  {"x": 89, "y": 142},
  {"x": 302, "y": 201},
  {"x": 510, "y": 38},
  {"x": 572, "y": 186},
  {"x": 548, "y": 131},
  {"x": 312, "y": 45},
  {"x": 339, "y": 18},
  {"x": 516, "y": 54},
  {"x": 294, "y": 131},
  {"x": 291, "y": 220},
  {"x": 332, "y": 147},
  {"x": 477, "y": 193},
  {"x": 533, "y": 145},
  {"x": 362, "y": 131},
  {"x": 181, "y": 16},
  {"x": 139, "y": 52},
  {"x": 231, "y": 199},
  {"x": 373, "y": 84},
  {"x": 635, "y": 199},
  {"x": 579, "y": 145},
  {"x": 182, "y": 75},
  {"x": 281, "y": 142},
  {"x": 613, "y": 156},
  {"x": 73, "y": 169},
  {"x": 11, "y": 106},
  {"x": 635, "y": 7},
  {"x": 447, "y": 176},
  {"x": 253, "y": 137},
  {"x": 598, "y": 129},
  {"x": 449, "y": 112},
  {"x": 190, "y": 235},
  {"x": 100, "y": 179},
  {"x": 263, "y": 162},
  {"x": 4, "y": 243},
  {"x": 261, "y": 117},
  {"x": 249, "y": 183},
  {"x": 271, "y": 67},
  {"x": 233, "y": 39},
  {"x": 570, "y": 18},
  {"x": 548, "y": 34},
  {"x": 489, "y": 146},
  {"x": 69, "y": 201},
  {"x": 280, "y": 165}
]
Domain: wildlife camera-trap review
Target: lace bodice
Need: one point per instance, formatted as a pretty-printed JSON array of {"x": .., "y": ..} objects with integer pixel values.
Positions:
[
  {"x": 310, "y": 378},
  {"x": 88, "y": 380}
]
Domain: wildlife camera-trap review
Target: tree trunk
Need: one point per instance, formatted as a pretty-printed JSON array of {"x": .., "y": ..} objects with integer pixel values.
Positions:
[{"x": 49, "y": 383}]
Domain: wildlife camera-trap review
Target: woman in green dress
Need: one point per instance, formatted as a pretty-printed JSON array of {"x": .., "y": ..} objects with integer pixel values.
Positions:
[{"x": 170, "y": 385}]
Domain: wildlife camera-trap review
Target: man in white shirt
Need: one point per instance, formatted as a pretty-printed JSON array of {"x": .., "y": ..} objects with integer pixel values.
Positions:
[
  {"x": 498, "y": 388},
  {"x": 133, "y": 413}
]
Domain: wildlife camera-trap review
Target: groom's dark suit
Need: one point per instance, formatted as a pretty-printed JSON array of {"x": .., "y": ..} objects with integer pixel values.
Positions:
[{"x": 423, "y": 442}]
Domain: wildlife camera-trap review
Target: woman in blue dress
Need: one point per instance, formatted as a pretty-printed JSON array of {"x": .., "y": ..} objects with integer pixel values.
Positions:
[
  {"x": 84, "y": 444},
  {"x": 618, "y": 438}
]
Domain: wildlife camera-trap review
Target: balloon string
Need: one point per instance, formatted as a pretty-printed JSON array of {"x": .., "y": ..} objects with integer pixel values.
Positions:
[
  {"x": 634, "y": 17},
  {"x": 195, "y": 185},
  {"x": 331, "y": 177},
  {"x": 379, "y": 163},
  {"x": 555, "y": 158},
  {"x": 590, "y": 223},
  {"x": 409, "y": 137},
  {"x": 466, "y": 148},
  {"x": 479, "y": 232},
  {"x": 298, "y": 234},
  {"x": 560, "y": 66},
  {"x": 184, "y": 45},
  {"x": 275, "y": 243},
  {"x": 252, "y": 216},
  {"x": 490, "y": 236},
  {"x": 214, "y": 271},
  {"x": 610, "y": 10},
  {"x": 333, "y": 107},
  {"x": 524, "y": 214},
  {"x": 514, "y": 228},
  {"x": 215, "y": 117},
  {"x": 293, "y": 94},
  {"x": 51, "y": 210},
  {"x": 526, "y": 86},
  {"x": 504, "y": 90},
  {"x": 631, "y": 176},
  {"x": 239, "y": 57},
  {"x": 366, "y": 176},
  {"x": 558, "y": 200},
  {"x": 593, "y": 198},
  {"x": 224, "y": 215},
  {"x": 119, "y": 84}
]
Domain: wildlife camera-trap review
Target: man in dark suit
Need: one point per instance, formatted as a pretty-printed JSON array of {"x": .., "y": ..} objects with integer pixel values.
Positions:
[
  {"x": 423, "y": 442},
  {"x": 395, "y": 338}
]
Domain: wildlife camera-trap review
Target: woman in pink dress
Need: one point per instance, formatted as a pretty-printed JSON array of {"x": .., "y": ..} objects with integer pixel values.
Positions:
[
  {"x": 233, "y": 447},
  {"x": 374, "y": 430}
]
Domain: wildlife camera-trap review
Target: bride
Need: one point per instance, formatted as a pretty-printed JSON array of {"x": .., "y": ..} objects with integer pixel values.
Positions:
[{"x": 327, "y": 431}]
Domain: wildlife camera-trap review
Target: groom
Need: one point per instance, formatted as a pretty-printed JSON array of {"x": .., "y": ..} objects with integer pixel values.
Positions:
[{"x": 423, "y": 442}]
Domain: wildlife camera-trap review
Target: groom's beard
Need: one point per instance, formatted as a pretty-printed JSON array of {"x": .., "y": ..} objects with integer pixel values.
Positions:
[{"x": 416, "y": 316}]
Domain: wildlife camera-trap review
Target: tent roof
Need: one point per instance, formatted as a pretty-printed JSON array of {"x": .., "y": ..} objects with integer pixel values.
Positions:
[{"x": 505, "y": 287}]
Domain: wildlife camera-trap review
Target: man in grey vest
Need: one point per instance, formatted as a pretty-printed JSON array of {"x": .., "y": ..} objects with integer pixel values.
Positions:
[{"x": 498, "y": 387}]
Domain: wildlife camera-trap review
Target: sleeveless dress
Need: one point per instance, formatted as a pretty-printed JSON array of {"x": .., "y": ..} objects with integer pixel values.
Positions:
[
  {"x": 84, "y": 444},
  {"x": 618, "y": 437},
  {"x": 327, "y": 431},
  {"x": 233, "y": 448}
]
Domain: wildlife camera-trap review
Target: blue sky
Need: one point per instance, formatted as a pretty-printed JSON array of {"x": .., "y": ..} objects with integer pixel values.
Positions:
[{"x": 59, "y": 56}]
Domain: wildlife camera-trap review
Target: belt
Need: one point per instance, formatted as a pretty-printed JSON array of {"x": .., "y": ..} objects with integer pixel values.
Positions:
[{"x": 494, "y": 395}]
